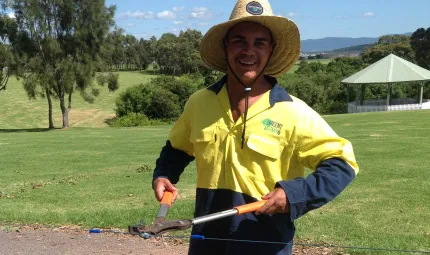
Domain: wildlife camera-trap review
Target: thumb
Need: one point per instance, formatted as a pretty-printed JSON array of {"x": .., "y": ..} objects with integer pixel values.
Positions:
[{"x": 170, "y": 187}]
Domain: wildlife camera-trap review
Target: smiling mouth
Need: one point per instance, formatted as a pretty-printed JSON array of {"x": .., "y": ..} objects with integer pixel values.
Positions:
[{"x": 247, "y": 63}]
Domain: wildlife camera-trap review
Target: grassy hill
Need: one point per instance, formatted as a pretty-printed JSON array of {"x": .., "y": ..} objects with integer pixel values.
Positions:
[
  {"x": 17, "y": 111},
  {"x": 101, "y": 177}
]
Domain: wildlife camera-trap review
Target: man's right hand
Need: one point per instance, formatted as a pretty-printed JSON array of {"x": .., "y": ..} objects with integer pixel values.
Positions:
[{"x": 161, "y": 185}]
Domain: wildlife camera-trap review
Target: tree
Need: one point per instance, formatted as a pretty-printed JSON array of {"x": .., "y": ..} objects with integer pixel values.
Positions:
[
  {"x": 7, "y": 60},
  {"x": 177, "y": 55},
  {"x": 420, "y": 43},
  {"x": 131, "y": 52},
  {"x": 144, "y": 53},
  {"x": 65, "y": 39},
  {"x": 398, "y": 45},
  {"x": 166, "y": 55}
]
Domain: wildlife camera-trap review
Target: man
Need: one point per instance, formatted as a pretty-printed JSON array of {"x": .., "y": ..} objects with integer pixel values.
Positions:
[{"x": 252, "y": 141}]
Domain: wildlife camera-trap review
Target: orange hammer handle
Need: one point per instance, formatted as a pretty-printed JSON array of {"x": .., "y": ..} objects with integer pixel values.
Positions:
[
  {"x": 252, "y": 207},
  {"x": 167, "y": 198}
]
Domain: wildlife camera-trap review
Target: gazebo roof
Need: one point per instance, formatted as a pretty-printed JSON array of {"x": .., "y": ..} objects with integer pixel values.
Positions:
[{"x": 390, "y": 69}]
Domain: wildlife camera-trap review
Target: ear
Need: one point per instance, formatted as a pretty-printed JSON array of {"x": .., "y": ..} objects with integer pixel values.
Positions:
[{"x": 224, "y": 42}]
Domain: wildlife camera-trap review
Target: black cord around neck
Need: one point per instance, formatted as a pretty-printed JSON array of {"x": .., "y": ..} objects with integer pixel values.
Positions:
[{"x": 246, "y": 88}]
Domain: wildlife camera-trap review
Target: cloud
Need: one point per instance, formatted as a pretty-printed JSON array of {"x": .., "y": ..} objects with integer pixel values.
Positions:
[
  {"x": 200, "y": 13},
  {"x": 341, "y": 17},
  {"x": 369, "y": 14},
  {"x": 141, "y": 35},
  {"x": 292, "y": 14},
  {"x": 166, "y": 15},
  {"x": 138, "y": 15},
  {"x": 203, "y": 24},
  {"x": 178, "y": 8},
  {"x": 175, "y": 31},
  {"x": 177, "y": 22},
  {"x": 11, "y": 15},
  {"x": 130, "y": 25}
]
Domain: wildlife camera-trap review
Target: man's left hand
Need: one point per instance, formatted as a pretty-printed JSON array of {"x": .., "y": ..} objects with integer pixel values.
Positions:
[{"x": 276, "y": 202}]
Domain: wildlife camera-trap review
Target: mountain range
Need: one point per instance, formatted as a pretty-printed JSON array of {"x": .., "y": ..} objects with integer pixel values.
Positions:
[{"x": 332, "y": 43}]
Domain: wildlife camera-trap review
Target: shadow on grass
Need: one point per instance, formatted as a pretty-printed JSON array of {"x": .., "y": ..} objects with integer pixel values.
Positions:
[
  {"x": 28, "y": 130},
  {"x": 150, "y": 72},
  {"x": 109, "y": 121}
]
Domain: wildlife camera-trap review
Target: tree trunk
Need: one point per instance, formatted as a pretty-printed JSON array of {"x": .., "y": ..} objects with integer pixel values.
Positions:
[
  {"x": 48, "y": 96},
  {"x": 65, "y": 111}
]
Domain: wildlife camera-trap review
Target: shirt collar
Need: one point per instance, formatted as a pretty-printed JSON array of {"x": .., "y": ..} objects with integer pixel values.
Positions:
[{"x": 277, "y": 93}]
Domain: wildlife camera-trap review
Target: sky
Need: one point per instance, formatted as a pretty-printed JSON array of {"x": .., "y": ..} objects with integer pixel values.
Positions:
[{"x": 315, "y": 18}]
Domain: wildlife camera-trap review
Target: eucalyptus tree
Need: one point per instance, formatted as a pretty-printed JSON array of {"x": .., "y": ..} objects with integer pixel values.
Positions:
[
  {"x": 7, "y": 59},
  {"x": 65, "y": 40},
  {"x": 396, "y": 44},
  {"x": 420, "y": 43}
]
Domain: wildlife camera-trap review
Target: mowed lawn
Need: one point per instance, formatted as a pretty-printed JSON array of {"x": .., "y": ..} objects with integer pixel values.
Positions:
[
  {"x": 322, "y": 61},
  {"x": 101, "y": 177},
  {"x": 17, "y": 111}
]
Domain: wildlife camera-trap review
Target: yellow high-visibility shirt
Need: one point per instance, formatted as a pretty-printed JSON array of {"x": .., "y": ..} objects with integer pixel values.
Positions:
[{"x": 283, "y": 137}]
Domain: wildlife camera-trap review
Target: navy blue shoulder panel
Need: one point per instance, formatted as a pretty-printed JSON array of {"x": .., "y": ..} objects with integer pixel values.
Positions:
[
  {"x": 171, "y": 163},
  {"x": 324, "y": 184}
]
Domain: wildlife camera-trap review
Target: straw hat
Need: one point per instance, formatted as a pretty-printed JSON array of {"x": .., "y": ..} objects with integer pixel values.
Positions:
[{"x": 285, "y": 34}]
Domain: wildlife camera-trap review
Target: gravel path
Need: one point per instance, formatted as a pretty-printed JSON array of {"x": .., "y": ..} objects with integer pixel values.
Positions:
[{"x": 37, "y": 240}]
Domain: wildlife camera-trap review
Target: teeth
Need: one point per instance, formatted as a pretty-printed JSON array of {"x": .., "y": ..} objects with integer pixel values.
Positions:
[{"x": 247, "y": 63}]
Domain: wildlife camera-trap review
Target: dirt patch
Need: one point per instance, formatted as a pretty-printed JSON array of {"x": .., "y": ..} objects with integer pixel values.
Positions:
[{"x": 72, "y": 240}]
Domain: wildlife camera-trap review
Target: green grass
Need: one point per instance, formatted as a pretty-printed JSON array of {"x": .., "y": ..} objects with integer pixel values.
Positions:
[
  {"x": 17, "y": 111},
  {"x": 322, "y": 61},
  {"x": 388, "y": 203},
  {"x": 96, "y": 177},
  {"x": 90, "y": 177}
]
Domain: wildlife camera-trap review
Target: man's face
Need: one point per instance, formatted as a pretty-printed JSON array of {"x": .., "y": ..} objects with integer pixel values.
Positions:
[{"x": 248, "y": 49}]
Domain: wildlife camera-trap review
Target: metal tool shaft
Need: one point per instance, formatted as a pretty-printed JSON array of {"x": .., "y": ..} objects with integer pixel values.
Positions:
[
  {"x": 214, "y": 216},
  {"x": 162, "y": 212}
]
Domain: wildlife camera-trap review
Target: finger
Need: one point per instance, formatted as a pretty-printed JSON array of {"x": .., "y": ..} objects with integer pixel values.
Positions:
[
  {"x": 268, "y": 195},
  {"x": 264, "y": 208}
]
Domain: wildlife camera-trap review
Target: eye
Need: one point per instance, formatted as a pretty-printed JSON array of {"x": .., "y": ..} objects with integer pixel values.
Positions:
[
  {"x": 238, "y": 42},
  {"x": 260, "y": 44}
]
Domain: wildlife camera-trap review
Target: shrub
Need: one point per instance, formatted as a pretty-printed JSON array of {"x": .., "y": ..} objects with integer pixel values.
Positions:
[
  {"x": 135, "y": 99},
  {"x": 101, "y": 79},
  {"x": 112, "y": 80},
  {"x": 183, "y": 87},
  {"x": 163, "y": 105},
  {"x": 134, "y": 120}
]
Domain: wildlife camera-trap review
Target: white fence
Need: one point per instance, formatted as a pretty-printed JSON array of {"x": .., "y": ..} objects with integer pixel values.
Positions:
[{"x": 379, "y": 105}]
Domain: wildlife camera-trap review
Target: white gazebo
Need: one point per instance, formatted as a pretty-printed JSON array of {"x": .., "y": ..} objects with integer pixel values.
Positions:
[{"x": 389, "y": 70}]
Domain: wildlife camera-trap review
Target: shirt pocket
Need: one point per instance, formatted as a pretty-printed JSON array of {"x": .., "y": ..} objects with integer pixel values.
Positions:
[
  {"x": 269, "y": 148},
  {"x": 264, "y": 162},
  {"x": 204, "y": 142}
]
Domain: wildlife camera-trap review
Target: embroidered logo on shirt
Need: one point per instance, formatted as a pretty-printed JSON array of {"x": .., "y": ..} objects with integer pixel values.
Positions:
[{"x": 272, "y": 126}]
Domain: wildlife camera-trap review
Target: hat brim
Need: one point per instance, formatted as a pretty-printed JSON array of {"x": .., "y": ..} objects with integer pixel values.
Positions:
[{"x": 285, "y": 34}]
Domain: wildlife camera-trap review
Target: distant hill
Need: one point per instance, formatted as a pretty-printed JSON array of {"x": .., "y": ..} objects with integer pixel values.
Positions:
[
  {"x": 332, "y": 43},
  {"x": 357, "y": 48}
]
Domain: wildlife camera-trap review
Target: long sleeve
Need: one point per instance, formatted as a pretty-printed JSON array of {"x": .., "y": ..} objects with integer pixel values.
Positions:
[
  {"x": 331, "y": 157},
  {"x": 329, "y": 179},
  {"x": 171, "y": 163},
  {"x": 177, "y": 153}
]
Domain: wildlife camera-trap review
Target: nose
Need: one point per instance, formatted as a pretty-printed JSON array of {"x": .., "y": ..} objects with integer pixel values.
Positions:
[{"x": 248, "y": 49}]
